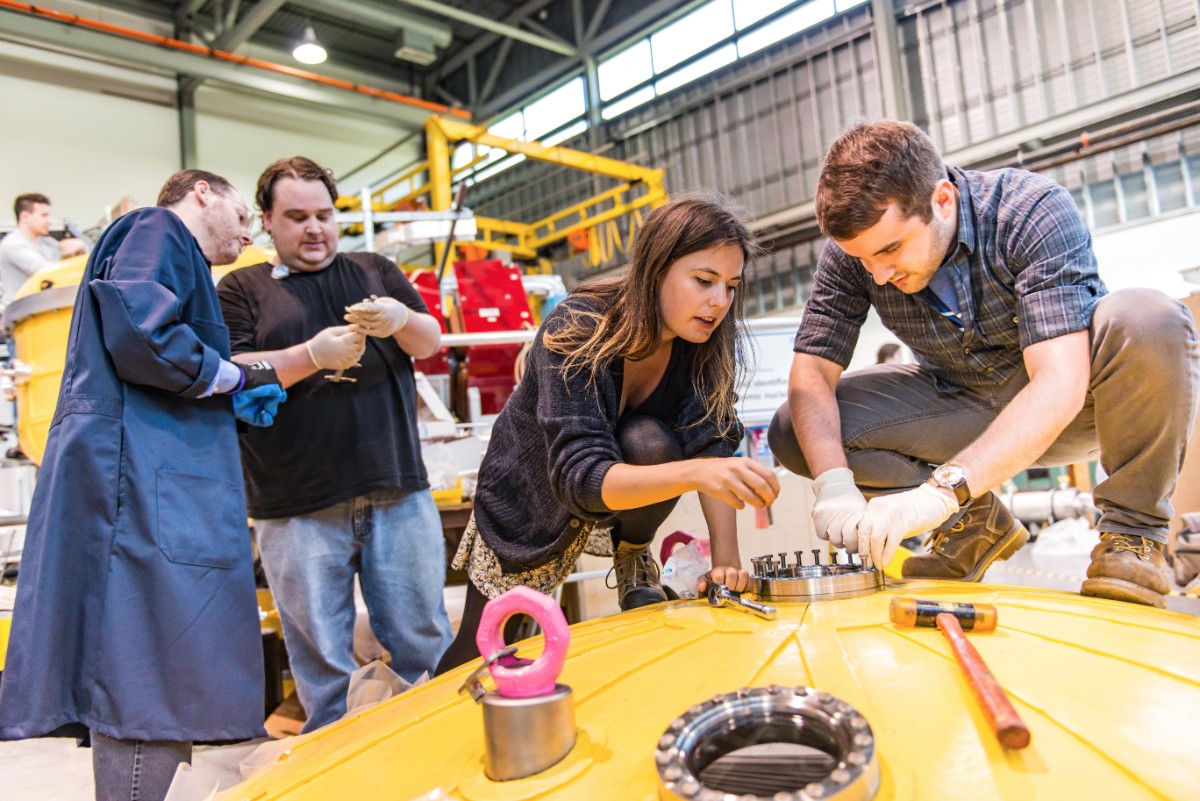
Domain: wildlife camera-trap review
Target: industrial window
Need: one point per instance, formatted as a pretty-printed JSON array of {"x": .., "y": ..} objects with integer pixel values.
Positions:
[
  {"x": 691, "y": 34},
  {"x": 555, "y": 116},
  {"x": 559, "y": 107},
  {"x": 701, "y": 66},
  {"x": 625, "y": 70},
  {"x": 703, "y": 41}
]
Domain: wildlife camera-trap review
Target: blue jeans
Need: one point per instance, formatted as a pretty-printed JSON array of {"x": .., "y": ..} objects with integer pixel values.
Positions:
[
  {"x": 135, "y": 770},
  {"x": 393, "y": 540}
]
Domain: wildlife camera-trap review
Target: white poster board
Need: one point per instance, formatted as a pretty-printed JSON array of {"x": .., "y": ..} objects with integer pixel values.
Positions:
[{"x": 768, "y": 385}]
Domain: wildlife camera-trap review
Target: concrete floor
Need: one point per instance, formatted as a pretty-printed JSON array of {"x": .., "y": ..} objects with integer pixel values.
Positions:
[{"x": 54, "y": 770}]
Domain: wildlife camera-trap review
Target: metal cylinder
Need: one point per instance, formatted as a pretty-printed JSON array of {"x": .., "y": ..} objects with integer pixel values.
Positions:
[
  {"x": 1047, "y": 506},
  {"x": 524, "y": 736}
]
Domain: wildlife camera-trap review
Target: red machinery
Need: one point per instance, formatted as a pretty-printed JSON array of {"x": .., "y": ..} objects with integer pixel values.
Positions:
[
  {"x": 491, "y": 297},
  {"x": 426, "y": 284}
]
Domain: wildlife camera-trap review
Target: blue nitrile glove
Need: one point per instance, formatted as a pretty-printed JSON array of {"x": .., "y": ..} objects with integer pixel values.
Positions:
[{"x": 257, "y": 396}]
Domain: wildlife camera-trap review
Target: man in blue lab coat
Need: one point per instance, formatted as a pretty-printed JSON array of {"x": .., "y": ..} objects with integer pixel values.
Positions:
[{"x": 136, "y": 618}]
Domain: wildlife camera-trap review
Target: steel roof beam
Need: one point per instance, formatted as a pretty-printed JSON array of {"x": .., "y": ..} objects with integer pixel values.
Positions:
[
  {"x": 238, "y": 35},
  {"x": 380, "y": 15},
  {"x": 510, "y": 31},
  {"x": 147, "y": 55},
  {"x": 476, "y": 47}
]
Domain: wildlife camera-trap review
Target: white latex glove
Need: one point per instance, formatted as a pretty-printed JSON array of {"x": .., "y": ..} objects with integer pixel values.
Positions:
[
  {"x": 839, "y": 508},
  {"x": 891, "y": 518},
  {"x": 378, "y": 317},
  {"x": 337, "y": 347}
]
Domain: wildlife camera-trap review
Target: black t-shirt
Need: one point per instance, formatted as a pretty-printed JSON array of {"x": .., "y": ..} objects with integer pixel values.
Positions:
[
  {"x": 330, "y": 441},
  {"x": 672, "y": 389}
]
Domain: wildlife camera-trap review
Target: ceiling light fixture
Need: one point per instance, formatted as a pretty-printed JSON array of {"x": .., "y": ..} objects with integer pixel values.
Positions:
[{"x": 309, "y": 51}]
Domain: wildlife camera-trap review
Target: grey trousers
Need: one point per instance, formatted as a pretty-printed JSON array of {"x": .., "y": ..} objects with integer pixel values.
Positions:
[{"x": 1137, "y": 418}]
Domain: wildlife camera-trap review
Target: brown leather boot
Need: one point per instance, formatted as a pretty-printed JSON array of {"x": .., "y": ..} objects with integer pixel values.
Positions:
[
  {"x": 1129, "y": 568},
  {"x": 964, "y": 547},
  {"x": 638, "y": 582}
]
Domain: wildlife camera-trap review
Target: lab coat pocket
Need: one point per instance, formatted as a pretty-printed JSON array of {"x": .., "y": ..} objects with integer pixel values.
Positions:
[{"x": 191, "y": 512}]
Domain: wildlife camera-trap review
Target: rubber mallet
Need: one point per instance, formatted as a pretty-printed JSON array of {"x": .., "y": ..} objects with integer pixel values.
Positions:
[{"x": 1010, "y": 730}]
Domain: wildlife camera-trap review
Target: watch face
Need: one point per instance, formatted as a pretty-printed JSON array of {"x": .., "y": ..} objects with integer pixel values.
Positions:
[{"x": 949, "y": 475}]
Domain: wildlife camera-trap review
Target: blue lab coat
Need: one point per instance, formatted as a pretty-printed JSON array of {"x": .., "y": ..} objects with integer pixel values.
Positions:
[{"x": 136, "y": 613}]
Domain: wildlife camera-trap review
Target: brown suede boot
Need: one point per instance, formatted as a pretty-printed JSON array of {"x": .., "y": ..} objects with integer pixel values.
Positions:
[
  {"x": 1128, "y": 568},
  {"x": 964, "y": 547},
  {"x": 638, "y": 582}
]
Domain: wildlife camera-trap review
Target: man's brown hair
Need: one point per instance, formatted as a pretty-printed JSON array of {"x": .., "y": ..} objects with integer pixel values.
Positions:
[
  {"x": 871, "y": 166},
  {"x": 298, "y": 167},
  {"x": 179, "y": 184},
  {"x": 27, "y": 202}
]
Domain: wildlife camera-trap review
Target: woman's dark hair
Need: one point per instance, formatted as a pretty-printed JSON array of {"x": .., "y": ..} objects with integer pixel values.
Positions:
[{"x": 629, "y": 325}]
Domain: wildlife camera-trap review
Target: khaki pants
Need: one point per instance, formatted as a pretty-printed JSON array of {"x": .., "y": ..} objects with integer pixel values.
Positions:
[{"x": 1137, "y": 417}]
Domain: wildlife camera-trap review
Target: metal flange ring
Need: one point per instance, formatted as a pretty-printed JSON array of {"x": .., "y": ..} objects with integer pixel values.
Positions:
[{"x": 691, "y": 752}]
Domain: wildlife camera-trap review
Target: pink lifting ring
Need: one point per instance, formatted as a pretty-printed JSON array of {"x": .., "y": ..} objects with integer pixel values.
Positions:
[{"x": 539, "y": 677}]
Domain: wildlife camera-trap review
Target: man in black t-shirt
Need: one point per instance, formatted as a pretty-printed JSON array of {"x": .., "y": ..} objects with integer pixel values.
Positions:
[{"x": 338, "y": 488}]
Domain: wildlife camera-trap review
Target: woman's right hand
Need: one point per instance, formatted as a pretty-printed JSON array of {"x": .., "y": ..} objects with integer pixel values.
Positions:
[{"x": 735, "y": 480}]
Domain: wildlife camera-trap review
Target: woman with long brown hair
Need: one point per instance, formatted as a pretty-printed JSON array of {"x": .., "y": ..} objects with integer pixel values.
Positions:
[{"x": 628, "y": 402}]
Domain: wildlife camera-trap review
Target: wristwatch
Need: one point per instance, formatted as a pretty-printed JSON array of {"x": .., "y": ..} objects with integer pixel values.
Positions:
[{"x": 951, "y": 476}]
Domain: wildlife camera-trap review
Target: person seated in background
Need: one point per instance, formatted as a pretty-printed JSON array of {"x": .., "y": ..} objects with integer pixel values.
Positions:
[
  {"x": 627, "y": 403},
  {"x": 136, "y": 619},
  {"x": 30, "y": 248},
  {"x": 337, "y": 487},
  {"x": 1023, "y": 358}
]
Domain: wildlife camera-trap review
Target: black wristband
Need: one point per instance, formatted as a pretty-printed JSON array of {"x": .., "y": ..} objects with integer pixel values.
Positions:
[{"x": 257, "y": 374}]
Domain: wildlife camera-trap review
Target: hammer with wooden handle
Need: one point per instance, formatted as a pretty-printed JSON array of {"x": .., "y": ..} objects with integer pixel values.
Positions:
[{"x": 1010, "y": 730}]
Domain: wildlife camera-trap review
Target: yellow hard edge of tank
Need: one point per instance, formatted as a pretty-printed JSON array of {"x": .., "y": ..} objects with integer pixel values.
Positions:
[
  {"x": 5, "y": 625},
  {"x": 40, "y": 341},
  {"x": 1110, "y": 692}
]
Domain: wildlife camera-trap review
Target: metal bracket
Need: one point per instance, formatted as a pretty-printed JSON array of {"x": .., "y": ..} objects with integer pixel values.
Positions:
[{"x": 473, "y": 685}]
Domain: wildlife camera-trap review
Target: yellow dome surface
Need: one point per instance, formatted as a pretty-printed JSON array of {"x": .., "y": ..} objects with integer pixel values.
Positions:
[
  {"x": 40, "y": 319},
  {"x": 1110, "y": 692}
]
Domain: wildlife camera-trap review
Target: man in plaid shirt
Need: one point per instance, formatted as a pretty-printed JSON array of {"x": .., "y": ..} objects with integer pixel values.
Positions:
[{"x": 1023, "y": 358}]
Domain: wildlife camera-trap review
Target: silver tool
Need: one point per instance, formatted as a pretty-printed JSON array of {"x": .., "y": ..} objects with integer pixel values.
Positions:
[{"x": 720, "y": 595}]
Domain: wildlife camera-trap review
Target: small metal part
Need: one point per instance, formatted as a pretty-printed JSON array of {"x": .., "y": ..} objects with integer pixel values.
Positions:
[
  {"x": 783, "y": 560},
  {"x": 833, "y": 557},
  {"x": 525, "y": 736},
  {"x": 719, "y": 595},
  {"x": 839, "y": 578},
  {"x": 338, "y": 378},
  {"x": 473, "y": 685}
]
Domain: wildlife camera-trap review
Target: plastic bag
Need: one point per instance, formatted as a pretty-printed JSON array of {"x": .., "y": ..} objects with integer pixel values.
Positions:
[
  {"x": 684, "y": 568},
  {"x": 1070, "y": 537},
  {"x": 1185, "y": 558}
]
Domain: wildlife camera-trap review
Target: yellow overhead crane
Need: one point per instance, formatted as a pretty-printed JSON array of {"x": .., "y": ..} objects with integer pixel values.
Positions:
[{"x": 430, "y": 184}]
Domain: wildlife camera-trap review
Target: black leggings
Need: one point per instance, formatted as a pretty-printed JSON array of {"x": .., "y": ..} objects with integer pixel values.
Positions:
[{"x": 643, "y": 441}]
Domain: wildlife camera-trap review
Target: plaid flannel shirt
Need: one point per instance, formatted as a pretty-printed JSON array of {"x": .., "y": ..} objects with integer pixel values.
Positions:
[{"x": 1023, "y": 272}]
